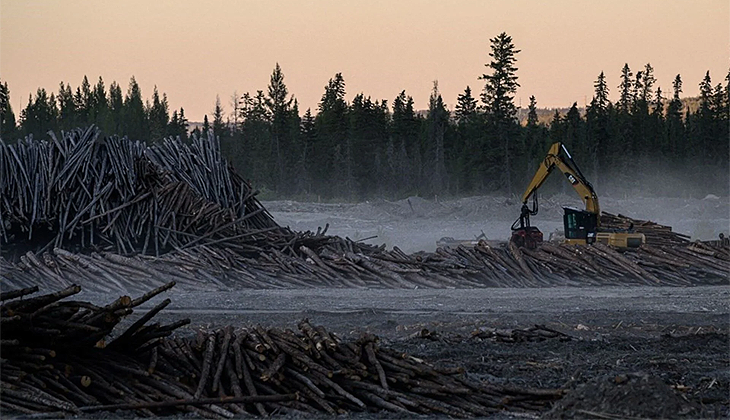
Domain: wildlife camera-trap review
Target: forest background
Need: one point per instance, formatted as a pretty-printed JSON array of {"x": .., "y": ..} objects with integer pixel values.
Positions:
[{"x": 645, "y": 142}]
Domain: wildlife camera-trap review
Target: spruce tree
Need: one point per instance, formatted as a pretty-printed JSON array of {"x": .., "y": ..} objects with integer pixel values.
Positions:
[
  {"x": 625, "y": 90},
  {"x": 498, "y": 98},
  {"x": 134, "y": 118},
  {"x": 437, "y": 122},
  {"x": 7, "y": 117}
]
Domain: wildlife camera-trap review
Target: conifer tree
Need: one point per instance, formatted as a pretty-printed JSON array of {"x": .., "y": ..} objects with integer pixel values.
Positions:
[
  {"x": 437, "y": 123},
  {"x": 498, "y": 98},
  {"x": 7, "y": 117}
]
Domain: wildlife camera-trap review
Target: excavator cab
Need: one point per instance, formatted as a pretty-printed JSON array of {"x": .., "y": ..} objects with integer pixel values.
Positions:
[{"x": 579, "y": 226}]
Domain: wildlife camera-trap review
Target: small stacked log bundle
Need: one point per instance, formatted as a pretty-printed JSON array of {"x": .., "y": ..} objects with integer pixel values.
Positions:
[
  {"x": 656, "y": 234},
  {"x": 55, "y": 362}
]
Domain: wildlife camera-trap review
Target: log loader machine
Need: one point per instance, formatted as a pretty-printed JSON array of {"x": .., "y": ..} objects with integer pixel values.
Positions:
[{"x": 582, "y": 227}]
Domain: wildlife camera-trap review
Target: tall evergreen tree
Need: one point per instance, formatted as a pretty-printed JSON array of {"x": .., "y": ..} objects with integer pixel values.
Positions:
[
  {"x": 134, "y": 118},
  {"x": 625, "y": 90},
  {"x": 675, "y": 124},
  {"x": 220, "y": 128},
  {"x": 469, "y": 170},
  {"x": 598, "y": 125},
  {"x": 404, "y": 156},
  {"x": 40, "y": 115},
  {"x": 498, "y": 97},
  {"x": 332, "y": 134},
  {"x": 7, "y": 117},
  {"x": 158, "y": 115},
  {"x": 67, "y": 116},
  {"x": 437, "y": 122},
  {"x": 116, "y": 108},
  {"x": 284, "y": 129}
]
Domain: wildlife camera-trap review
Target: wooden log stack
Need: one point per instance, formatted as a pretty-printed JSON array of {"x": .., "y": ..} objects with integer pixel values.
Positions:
[
  {"x": 85, "y": 193},
  {"x": 656, "y": 234},
  {"x": 56, "y": 361},
  {"x": 344, "y": 263}
]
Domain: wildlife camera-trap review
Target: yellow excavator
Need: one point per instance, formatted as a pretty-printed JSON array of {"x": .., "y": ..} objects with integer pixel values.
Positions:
[{"x": 582, "y": 227}]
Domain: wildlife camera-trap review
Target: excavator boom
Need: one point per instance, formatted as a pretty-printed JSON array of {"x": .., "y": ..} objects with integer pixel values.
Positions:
[{"x": 555, "y": 160}]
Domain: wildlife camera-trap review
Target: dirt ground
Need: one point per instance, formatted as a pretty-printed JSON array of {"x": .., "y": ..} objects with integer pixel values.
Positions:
[
  {"x": 644, "y": 352},
  {"x": 639, "y": 352}
]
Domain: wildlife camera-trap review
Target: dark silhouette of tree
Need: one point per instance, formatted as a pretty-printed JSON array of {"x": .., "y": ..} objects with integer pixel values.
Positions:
[
  {"x": 331, "y": 151},
  {"x": 134, "y": 118},
  {"x": 405, "y": 154},
  {"x": 498, "y": 98},
  {"x": 158, "y": 115},
  {"x": 625, "y": 90},
  {"x": 220, "y": 128},
  {"x": 469, "y": 143},
  {"x": 437, "y": 122},
  {"x": 284, "y": 129},
  {"x": 7, "y": 116},
  {"x": 40, "y": 115},
  {"x": 675, "y": 124},
  {"x": 598, "y": 135}
]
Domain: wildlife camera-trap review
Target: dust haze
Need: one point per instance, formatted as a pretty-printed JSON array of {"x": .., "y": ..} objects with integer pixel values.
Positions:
[{"x": 660, "y": 194}]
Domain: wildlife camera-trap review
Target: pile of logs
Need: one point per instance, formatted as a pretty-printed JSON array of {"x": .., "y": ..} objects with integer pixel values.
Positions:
[
  {"x": 82, "y": 192},
  {"x": 655, "y": 233},
  {"x": 55, "y": 361},
  {"x": 345, "y": 263}
]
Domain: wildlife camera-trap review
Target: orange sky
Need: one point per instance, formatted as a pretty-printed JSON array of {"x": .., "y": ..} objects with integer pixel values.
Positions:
[{"x": 195, "y": 50}]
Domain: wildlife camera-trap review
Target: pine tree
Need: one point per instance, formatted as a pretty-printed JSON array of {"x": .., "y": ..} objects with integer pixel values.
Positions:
[
  {"x": 625, "y": 90},
  {"x": 332, "y": 131},
  {"x": 134, "y": 118},
  {"x": 220, "y": 128},
  {"x": 437, "y": 122},
  {"x": 466, "y": 107},
  {"x": 406, "y": 157},
  {"x": 597, "y": 126},
  {"x": 206, "y": 125},
  {"x": 7, "y": 117},
  {"x": 158, "y": 116},
  {"x": 100, "y": 107},
  {"x": 498, "y": 97},
  {"x": 67, "y": 118},
  {"x": 469, "y": 169},
  {"x": 40, "y": 115},
  {"x": 116, "y": 108},
  {"x": 675, "y": 123},
  {"x": 284, "y": 129}
]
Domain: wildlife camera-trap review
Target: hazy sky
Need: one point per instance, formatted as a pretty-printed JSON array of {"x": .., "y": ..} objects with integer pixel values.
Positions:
[{"x": 195, "y": 50}]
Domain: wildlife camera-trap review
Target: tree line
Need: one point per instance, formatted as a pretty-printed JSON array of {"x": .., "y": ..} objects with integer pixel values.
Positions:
[{"x": 372, "y": 148}]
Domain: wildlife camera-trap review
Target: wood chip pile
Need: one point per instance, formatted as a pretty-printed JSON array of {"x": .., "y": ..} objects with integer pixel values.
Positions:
[
  {"x": 55, "y": 362},
  {"x": 116, "y": 215}
]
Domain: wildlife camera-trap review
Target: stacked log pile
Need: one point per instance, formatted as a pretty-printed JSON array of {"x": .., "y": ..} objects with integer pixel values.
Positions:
[
  {"x": 116, "y": 215},
  {"x": 334, "y": 265},
  {"x": 55, "y": 362},
  {"x": 656, "y": 234},
  {"x": 82, "y": 192}
]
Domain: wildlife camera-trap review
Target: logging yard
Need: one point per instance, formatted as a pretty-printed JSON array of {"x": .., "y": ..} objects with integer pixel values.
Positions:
[{"x": 149, "y": 281}]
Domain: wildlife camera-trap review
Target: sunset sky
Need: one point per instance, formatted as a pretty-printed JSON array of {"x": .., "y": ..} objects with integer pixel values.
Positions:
[{"x": 195, "y": 50}]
